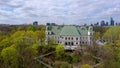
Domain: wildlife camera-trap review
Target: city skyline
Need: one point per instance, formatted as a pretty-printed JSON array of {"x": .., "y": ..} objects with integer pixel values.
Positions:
[{"x": 58, "y": 11}]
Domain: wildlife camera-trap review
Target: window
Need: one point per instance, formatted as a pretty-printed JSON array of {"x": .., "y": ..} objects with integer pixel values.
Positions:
[
  {"x": 90, "y": 33},
  {"x": 76, "y": 38},
  {"x": 82, "y": 42},
  {"x": 48, "y": 33},
  {"x": 69, "y": 38},
  {"x": 65, "y": 38},
  {"x": 60, "y": 36},
  {"x": 72, "y": 43},
  {"x": 52, "y": 33},
  {"x": 72, "y": 38},
  {"x": 90, "y": 38},
  {"x": 65, "y": 43},
  {"x": 68, "y": 43},
  {"x": 76, "y": 42}
]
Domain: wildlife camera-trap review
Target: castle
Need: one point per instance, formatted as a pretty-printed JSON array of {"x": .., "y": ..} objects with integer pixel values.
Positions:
[{"x": 70, "y": 36}]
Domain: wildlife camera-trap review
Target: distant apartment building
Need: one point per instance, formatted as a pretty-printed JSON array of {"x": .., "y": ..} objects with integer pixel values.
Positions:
[{"x": 70, "y": 36}]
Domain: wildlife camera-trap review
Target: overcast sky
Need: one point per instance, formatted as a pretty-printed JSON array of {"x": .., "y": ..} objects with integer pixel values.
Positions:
[{"x": 58, "y": 11}]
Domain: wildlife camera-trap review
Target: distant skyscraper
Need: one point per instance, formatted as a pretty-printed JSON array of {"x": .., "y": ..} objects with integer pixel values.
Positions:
[
  {"x": 102, "y": 23},
  {"x": 106, "y": 24},
  {"x": 96, "y": 24},
  {"x": 35, "y": 23},
  {"x": 111, "y": 22}
]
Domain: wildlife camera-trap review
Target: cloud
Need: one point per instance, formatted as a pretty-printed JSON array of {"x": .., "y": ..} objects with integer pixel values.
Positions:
[{"x": 58, "y": 11}]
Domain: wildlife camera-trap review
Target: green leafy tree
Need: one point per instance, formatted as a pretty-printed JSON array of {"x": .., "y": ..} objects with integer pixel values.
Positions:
[
  {"x": 31, "y": 28},
  {"x": 10, "y": 57},
  {"x": 40, "y": 37},
  {"x": 86, "y": 66},
  {"x": 5, "y": 43},
  {"x": 62, "y": 64},
  {"x": 60, "y": 51},
  {"x": 28, "y": 55},
  {"x": 97, "y": 35},
  {"x": 112, "y": 34}
]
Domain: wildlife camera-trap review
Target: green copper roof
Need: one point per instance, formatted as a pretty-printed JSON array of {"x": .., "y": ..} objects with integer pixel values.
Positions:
[
  {"x": 56, "y": 30},
  {"x": 83, "y": 31},
  {"x": 69, "y": 30}
]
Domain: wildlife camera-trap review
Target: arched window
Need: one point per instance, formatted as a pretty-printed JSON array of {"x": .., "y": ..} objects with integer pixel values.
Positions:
[
  {"x": 76, "y": 38},
  {"x": 65, "y": 38},
  {"x": 65, "y": 43},
  {"x": 69, "y": 38},
  {"x": 82, "y": 42},
  {"x": 72, "y": 43},
  {"x": 68, "y": 43},
  {"x": 72, "y": 38}
]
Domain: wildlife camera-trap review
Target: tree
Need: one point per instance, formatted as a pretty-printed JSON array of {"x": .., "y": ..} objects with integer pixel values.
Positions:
[
  {"x": 5, "y": 43},
  {"x": 40, "y": 37},
  {"x": 97, "y": 35},
  {"x": 10, "y": 57},
  {"x": 112, "y": 34},
  {"x": 86, "y": 66},
  {"x": 62, "y": 64},
  {"x": 32, "y": 28},
  {"x": 60, "y": 51},
  {"x": 26, "y": 59}
]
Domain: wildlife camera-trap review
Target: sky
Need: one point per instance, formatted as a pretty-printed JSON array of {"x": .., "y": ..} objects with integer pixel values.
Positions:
[{"x": 58, "y": 11}]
